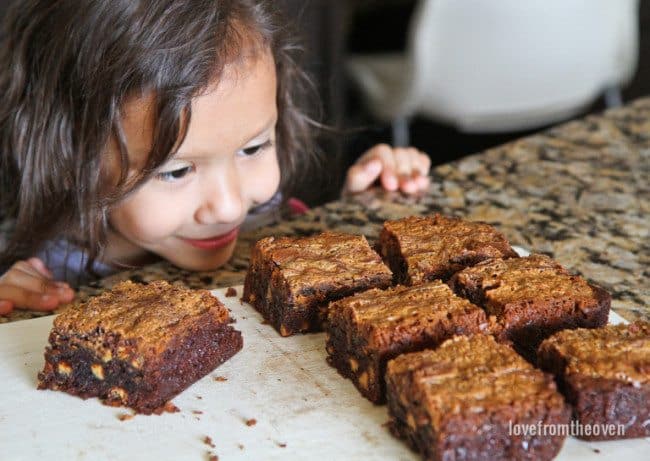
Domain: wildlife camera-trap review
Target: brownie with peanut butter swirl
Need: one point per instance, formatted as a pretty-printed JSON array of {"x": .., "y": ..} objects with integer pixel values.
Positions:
[
  {"x": 291, "y": 280},
  {"x": 474, "y": 398},
  {"x": 605, "y": 374},
  {"x": 138, "y": 345},
  {"x": 366, "y": 330},
  {"x": 423, "y": 248},
  {"x": 531, "y": 298}
]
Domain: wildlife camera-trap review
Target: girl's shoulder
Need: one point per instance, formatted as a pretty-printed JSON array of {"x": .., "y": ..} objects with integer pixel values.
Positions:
[{"x": 67, "y": 262}]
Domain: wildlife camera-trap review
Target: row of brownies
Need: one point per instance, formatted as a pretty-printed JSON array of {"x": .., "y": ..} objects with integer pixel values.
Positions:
[{"x": 450, "y": 334}]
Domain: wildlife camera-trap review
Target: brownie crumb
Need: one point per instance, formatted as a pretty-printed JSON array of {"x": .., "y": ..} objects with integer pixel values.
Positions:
[
  {"x": 240, "y": 446},
  {"x": 251, "y": 422},
  {"x": 231, "y": 292},
  {"x": 281, "y": 444},
  {"x": 170, "y": 408},
  {"x": 199, "y": 397},
  {"x": 208, "y": 441},
  {"x": 596, "y": 450},
  {"x": 220, "y": 379},
  {"x": 125, "y": 416},
  {"x": 197, "y": 412},
  {"x": 212, "y": 457}
]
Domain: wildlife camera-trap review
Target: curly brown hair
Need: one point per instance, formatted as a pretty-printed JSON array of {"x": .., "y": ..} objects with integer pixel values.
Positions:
[{"x": 68, "y": 66}]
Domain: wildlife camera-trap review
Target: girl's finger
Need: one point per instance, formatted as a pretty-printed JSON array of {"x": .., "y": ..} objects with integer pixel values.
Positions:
[
  {"x": 22, "y": 266},
  {"x": 418, "y": 178},
  {"x": 29, "y": 279},
  {"x": 21, "y": 297},
  {"x": 40, "y": 266},
  {"x": 361, "y": 176},
  {"x": 421, "y": 163},
  {"x": 388, "y": 176},
  {"x": 404, "y": 158},
  {"x": 373, "y": 153},
  {"x": 422, "y": 182},
  {"x": 6, "y": 307},
  {"x": 409, "y": 184}
]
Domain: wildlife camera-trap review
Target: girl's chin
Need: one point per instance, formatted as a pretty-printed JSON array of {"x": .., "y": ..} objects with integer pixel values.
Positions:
[{"x": 202, "y": 261}]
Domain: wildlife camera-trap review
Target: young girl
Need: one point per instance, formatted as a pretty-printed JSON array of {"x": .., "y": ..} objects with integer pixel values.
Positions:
[{"x": 141, "y": 129}]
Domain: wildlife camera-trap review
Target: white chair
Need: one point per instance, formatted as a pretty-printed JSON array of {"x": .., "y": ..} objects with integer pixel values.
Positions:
[{"x": 489, "y": 66}]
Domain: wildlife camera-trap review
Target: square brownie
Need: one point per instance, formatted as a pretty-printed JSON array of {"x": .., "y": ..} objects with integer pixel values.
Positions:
[
  {"x": 138, "y": 345},
  {"x": 422, "y": 248},
  {"x": 291, "y": 280},
  {"x": 532, "y": 298},
  {"x": 364, "y": 331},
  {"x": 605, "y": 375},
  {"x": 473, "y": 398}
]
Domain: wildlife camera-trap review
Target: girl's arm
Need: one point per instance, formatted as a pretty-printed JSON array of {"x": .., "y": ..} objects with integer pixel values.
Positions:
[
  {"x": 405, "y": 169},
  {"x": 29, "y": 284}
]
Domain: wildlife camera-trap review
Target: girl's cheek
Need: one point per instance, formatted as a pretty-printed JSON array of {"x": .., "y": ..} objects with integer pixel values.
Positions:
[
  {"x": 150, "y": 217},
  {"x": 263, "y": 179}
]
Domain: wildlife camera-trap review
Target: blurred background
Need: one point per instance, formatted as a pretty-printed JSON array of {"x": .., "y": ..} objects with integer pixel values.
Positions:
[
  {"x": 465, "y": 75},
  {"x": 455, "y": 77}
]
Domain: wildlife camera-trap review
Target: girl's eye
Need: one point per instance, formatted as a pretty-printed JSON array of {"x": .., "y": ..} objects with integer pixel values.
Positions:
[
  {"x": 175, "y": 175},
  {"x": 249, "y": 151}
]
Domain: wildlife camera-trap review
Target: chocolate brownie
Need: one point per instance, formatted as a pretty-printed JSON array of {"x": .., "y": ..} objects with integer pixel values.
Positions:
[
  {"x": 532, "y": 298},
  {"x": 291, "y": 280},
  {"x": 605, "y": 375},
  {"x": 421, "y": 248},
  {"x": 472, "y": 398},
  {"x": 364, "y": 331},
  {"x": 138, "y": 345}
]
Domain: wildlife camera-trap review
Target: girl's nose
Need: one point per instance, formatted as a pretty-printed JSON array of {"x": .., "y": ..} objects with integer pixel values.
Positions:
[{"x": 221, "y": 203}]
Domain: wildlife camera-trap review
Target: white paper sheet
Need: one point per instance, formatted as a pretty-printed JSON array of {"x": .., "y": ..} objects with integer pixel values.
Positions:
[{"x": 304, "y": 409}]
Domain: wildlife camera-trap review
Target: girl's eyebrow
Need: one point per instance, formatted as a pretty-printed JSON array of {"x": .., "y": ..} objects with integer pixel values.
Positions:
[{"x": 269, "y": 125}]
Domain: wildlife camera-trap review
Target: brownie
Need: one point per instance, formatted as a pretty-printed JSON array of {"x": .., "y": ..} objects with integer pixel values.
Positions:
[
  {"x": 138, "y": 345},
  {"x": 291, "y": 280},
  {"x": 364, "y": 331},
  {"x": 473, "y": 398},
  {"x": 532, "y": 298},
  {"x": 605, "y": 375},
  {"x": 422, "y": 248}
]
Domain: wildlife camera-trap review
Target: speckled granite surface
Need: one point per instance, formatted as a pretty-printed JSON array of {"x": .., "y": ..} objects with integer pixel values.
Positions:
[{"x": 579, "y": 193}]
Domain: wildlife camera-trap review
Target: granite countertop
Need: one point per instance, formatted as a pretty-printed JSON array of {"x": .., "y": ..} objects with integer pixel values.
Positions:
[{"x": 579, "y": 192}]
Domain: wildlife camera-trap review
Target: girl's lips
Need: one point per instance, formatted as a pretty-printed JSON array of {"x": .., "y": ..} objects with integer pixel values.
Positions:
[{"x": 213, "y": 242}]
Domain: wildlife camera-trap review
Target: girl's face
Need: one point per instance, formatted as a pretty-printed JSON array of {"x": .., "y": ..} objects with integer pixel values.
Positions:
[{"x": 189, "y": 213}]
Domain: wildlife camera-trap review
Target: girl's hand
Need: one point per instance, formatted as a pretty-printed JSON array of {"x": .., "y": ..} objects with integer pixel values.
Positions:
[
  {"x": 29, "y": 284},
  {"x": 406, "y": 169}
]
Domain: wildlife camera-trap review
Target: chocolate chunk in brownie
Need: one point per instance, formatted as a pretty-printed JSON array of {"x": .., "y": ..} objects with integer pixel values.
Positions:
[
  {"x": 532, "y": 298},
  {"x": 138, "y": 345},
  {"x": 472, "y": 398},
  {"x": 364, "y": 331},
  {"x": 422, "y": 248},
  {"x": 291, "y": 280},
  {"x": 605, "y": 375}
]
